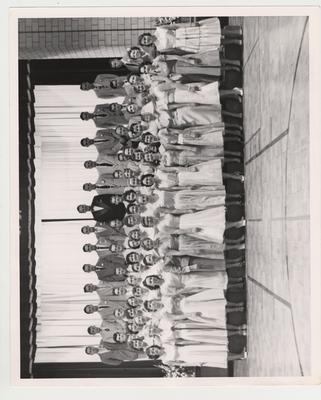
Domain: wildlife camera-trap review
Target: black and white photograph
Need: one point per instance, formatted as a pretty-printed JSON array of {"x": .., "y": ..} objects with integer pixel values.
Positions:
[{"x": 164, "y": 195}]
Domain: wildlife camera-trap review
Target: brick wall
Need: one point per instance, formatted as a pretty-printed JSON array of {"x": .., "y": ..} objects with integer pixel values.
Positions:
[{"x": 43, "y": 38}]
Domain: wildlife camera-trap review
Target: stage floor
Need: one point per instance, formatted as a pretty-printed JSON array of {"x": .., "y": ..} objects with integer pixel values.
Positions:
[{"x": 276, "y": 126}]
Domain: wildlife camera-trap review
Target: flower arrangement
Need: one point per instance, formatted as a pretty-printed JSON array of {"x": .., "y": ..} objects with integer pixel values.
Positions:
[
  {"x": 158, "y": 21},
  {"x": 165, "y": 20},
  {"x": 175, "y": 371}
]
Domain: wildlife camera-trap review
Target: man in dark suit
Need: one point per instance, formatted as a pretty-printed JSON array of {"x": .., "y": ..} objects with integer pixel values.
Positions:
[
  {"x": 112, "y": 357},
  {"x": 103, "y": 210},
  {"x": 109, "y": 310},
  {"x": 107, "y": 184},
  {"x": 106, "y": 141},
  {"x": 109, "y": 269},
  {"x": 102, "y": 229},
  {"x": 107, "y": 86},
  {"x": 104, "y": 116}
]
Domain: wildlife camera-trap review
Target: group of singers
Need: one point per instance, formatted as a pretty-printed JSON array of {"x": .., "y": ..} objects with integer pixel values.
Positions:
[{"x": 169, "y": 204}]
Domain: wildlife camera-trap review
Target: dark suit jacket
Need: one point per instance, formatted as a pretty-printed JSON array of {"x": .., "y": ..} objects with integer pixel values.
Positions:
[
  {"x": 110, "y": 233},
  {"x": 117, "y": 346},
  {"x": 110, "y": 263},
  {"x": 106, "y": 92},
  {"x": 109, "y": 211},
  {"x": 111, "y": 144},
  {"x": 109, "y": 118},
  {"x": 117, "y": 356}
]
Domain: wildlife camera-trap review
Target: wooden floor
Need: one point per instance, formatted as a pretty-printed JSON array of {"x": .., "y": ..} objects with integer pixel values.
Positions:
[{"x": 276, "y": 127}]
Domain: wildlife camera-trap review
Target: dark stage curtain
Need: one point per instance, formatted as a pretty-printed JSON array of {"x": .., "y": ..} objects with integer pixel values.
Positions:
[
  {"x": 55, "y": 72},
  {"x": 26, "y": 209},
  {"x": 134, "y": 369},
  {"x": 71, "y": 71}
]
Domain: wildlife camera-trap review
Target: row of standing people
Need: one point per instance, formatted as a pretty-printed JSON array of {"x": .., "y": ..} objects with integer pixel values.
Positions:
[{"x": 170, "y": 187}]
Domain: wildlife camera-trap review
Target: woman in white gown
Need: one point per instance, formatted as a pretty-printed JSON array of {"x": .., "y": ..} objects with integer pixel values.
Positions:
[
  {"x": 186, "y": 245},
  {"x": 204, "y": 67},
  {"x": 199, "y": 37},
  {"x": 207, "y": 135},
  {"x": 206, "y": 304},
  {"x": 190, "y": 355},
  {"x": 167, "y": 91},
  {"x": 183, "y": 330},
  {"x": 184, "y": 116},
  {"x": 206, "y": 224},
  {"x": 194, "y": 115},
  {"x": 188, "y": 68},
  {"x": 208, "y": 173},
  {"x": 185, "y": 156},
  {"x": 210, "y": 302},
  {"x": 184, "y": 200},
  {"x": 169, "y": 283}
]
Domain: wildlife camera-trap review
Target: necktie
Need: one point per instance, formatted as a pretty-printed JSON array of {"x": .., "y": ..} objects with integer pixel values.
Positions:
[
  {"x": 101, "y": 140},
  {"x": 104, "y": 164},
  {"x": 101, "y": 87}
]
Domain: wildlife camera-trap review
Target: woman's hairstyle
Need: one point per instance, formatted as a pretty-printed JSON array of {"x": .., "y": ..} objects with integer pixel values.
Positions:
[
  {"x": 146, "y": 262},
  {"x": 133, "y": 125},
  {"x": 127, "y": 313},
  {"x": 115, "y": 337},
  {"x": 121, "y": 156},
  {"x": 133, "y": 48},
  {"x": 130, "y": 233},
  {"x": 132, "y": 157},
  {"x": 153, "y": 147},
  {"x": 131, "y": 305},
  {"x": 140, "y": 38},
  {"x": 135, "y": 289},
  {"x": 134, "y": 247},
  {"x": 151, "y": 287},
  {"x": 130, "y": 328},
  {"x": 128, "y": 256},
  {"x": 126, "y": 221},
  {"x": 127, "y": 193},
  {"x": 146, "y": 155},
  {"x": 138, "y": 86},
  {"x": 132, "y": 74},
  {"x": 154, "y": 357},
  {"x": 145, "y": 135},
  {"x": 143, "y": 65},
  {"x": 146, "y": 302},
  {"x": 129, "y": 208},
  {"x": 143, "y": 177},
  {"x": 143, "y": 243}
]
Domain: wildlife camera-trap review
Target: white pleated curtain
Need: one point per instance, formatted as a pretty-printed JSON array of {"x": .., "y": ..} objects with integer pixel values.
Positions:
[{"x": 59, "y": 175}]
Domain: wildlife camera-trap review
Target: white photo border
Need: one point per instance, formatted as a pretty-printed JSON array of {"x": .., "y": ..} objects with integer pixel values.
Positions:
[{"x": 314, "y": 43}]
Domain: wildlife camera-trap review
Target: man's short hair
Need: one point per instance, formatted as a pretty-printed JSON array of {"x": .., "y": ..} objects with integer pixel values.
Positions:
[
  {"x": 89, "y": 330},
  {"x": 86, "y": 309}
]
